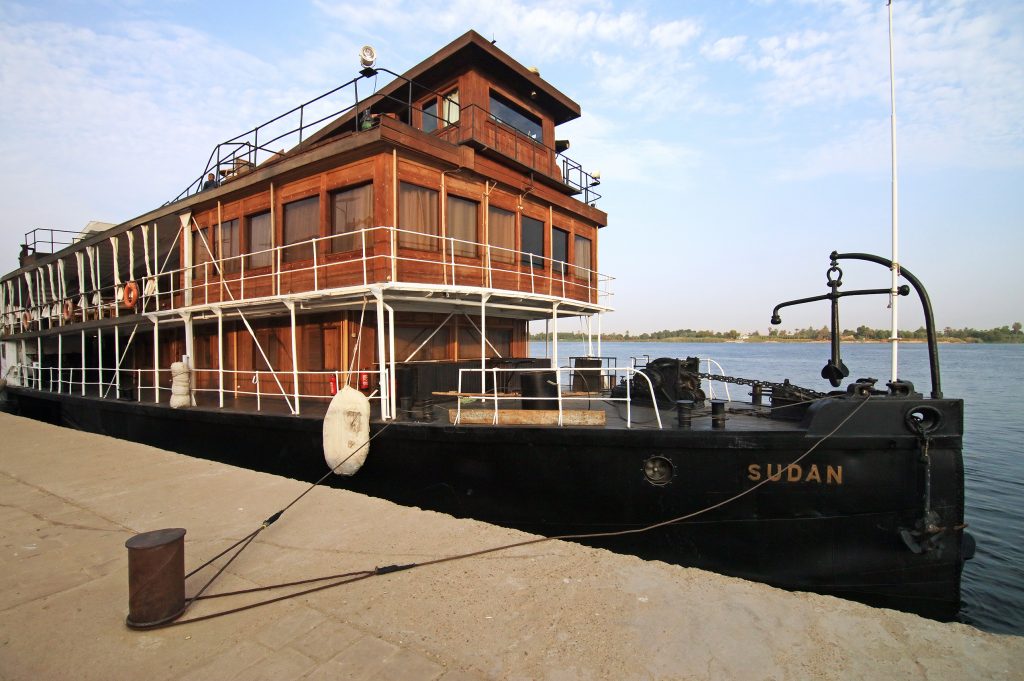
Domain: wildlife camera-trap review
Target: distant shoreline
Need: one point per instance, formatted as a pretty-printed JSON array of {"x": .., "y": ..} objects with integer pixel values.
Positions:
[{"x": 765, "y": 339}]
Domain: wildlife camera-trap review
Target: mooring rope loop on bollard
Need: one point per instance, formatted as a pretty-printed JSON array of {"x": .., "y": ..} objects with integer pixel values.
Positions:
[{"x": 359, "y": 575}]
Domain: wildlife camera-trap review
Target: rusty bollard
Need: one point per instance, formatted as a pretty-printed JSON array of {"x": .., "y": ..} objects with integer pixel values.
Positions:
[{"x": 156, "y": 577}]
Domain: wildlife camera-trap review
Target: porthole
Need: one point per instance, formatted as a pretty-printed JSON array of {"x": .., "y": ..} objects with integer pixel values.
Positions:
[{"x": 658, "y": 470}]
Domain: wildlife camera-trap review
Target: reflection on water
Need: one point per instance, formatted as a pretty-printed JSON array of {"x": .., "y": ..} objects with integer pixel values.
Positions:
[{"x": 990, "y": 380}]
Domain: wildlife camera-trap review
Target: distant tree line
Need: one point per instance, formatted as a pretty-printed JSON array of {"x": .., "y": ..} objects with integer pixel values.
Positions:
[{"x": 1002, "y": 334}]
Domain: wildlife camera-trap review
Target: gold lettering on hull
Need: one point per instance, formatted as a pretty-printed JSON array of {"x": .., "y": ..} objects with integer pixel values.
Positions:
[{"x": 828, "y": 475}]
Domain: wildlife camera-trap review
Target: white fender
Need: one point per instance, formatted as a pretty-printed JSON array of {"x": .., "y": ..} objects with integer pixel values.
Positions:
[{"x": 347, "y": 431}]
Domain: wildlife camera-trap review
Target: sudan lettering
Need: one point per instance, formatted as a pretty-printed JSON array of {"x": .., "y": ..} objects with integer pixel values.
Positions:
[{"x": 828, "y": 475}]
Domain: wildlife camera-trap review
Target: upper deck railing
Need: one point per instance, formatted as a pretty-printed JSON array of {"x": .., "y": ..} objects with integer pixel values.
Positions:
[
  {"x": 266, "y": 142},
  {"x": 475, "y": 124},
  {"x": 363, "y": 258}
]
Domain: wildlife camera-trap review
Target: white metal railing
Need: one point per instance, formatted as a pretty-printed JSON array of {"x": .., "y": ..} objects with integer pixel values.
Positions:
[
  {"x": 138, "y": 384},
  {"x": 256, "y": 378},
  {"x": 561, "y": 396},
  {"x": 711, "y": 386},
  {"x": 441, "y": 260}
]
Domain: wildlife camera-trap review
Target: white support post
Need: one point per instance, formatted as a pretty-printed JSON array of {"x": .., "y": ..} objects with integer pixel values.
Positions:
[
  {"x": 63, "y": 289},
  {"x": 392, "y": 378},
  {"x": 190, "y": 353},
  {"x": 220, "y": 355},
  {"x": 99, "y": 362},
  {"x": 60, "y": 362},
  {"x": 381, "y": 355},
  {"x": 99, "y": 287},
  {"x": 554, "y": 335},
  {"x": 83, "y": 363},
  {"x": 117, "y": 277},
  {"x": 156, "y": 359},
  {"x": 483, "y": 341},
  {"x": 295, "y": 356},
  {"x": 186, "y": 267},
  {"x": 39, "y": 362},
  {"x": 117, "y": 369}
]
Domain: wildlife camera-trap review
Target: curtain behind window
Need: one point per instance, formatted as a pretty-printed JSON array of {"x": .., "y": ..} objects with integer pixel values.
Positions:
[
  {"x": 450, "y": 107},
  {"x": 200, "y": 252},
  {"x": 353, "y": 211},
  {"x": 259, "y": 239},
  {"x": 581, "y": 257},
  {"x": 461, "y": 216},
  {"x": 230, "y": 246},
  {"x": 301, "y": 223},
  {"x": 501, "y": 228},
  {"x": 417, "y": 212}
]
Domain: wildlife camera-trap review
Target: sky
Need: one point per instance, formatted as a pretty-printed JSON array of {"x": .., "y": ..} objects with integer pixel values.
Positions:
[{"x": 738, "y": 142}]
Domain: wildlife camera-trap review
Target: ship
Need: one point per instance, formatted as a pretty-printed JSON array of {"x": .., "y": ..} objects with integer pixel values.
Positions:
[{"x": 391, "y": 242}]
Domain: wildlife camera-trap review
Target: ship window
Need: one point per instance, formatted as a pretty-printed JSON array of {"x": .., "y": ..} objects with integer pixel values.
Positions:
[
  {"x": 450, "y": 107},
  {"x": 259, "y": 239},
  {"x": 417, "y": 215},
  {"x": 200, "y": 253},
  {"x": 353, "y": 211},
  {"x": 301, "y": 224},
  {"x": 509, "y": 113},
  {"x": 440, "y": 112},
  {"x": 501, "y": 232},
  {"x": 559, "y": 249},
  {"x": 533, "y": 242},
  {"x": 462, "y": 225},
  {"x": 430, "y": 123},
  {"x": 230, "y": 246},
  {"x": 581, "y": 257}
]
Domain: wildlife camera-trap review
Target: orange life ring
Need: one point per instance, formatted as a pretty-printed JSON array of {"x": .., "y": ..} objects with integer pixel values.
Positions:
[
  {"x": 131, "y": 294},
  {"x": 26, "y": 320},
  {"x": 69, "y": 310}
]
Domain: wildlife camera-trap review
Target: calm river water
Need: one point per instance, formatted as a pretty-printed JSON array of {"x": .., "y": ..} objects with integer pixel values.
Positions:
[{"x": 989, "y": 378}]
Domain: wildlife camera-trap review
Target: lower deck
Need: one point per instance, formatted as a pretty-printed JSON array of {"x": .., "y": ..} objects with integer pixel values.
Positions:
[{"x": 509, "y": 406}]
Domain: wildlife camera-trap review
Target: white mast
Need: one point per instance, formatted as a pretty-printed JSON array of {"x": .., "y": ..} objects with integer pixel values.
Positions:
[{"x": 893, "y": 295}]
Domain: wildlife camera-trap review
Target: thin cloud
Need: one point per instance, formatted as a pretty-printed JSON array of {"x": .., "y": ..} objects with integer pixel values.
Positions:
[{"x": 725, "y": 49}]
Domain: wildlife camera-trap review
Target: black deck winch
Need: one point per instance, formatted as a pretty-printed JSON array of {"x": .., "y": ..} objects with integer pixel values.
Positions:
[{"x": 671, "y": 379}]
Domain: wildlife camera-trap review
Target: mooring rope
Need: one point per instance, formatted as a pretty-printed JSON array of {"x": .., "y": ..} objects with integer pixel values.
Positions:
[
  {"x": 244, "y": 542},
  {"x": 359, "y": 575}
]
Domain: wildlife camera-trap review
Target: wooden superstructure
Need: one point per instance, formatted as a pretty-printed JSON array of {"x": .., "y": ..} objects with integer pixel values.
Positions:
[{"x": 429, "y": 222}]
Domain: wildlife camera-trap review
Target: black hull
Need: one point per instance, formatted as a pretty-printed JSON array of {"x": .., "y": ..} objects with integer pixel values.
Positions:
[{"x": 836, "y": 530}]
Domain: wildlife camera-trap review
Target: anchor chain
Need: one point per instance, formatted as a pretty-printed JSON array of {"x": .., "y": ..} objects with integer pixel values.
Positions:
[{"x": 783, "y": 387}]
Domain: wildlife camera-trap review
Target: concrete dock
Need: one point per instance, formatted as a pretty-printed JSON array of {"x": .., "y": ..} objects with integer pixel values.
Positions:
[{"x": 555, "y": 610}]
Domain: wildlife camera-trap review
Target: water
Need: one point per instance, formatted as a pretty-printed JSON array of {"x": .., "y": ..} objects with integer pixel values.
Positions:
[{"x": 989, "y": 378}]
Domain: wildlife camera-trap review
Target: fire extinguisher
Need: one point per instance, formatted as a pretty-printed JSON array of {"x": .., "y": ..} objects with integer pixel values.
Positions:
[
  {"x": 333, "y": 380},
  {"x": 364, "y": 380}
]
